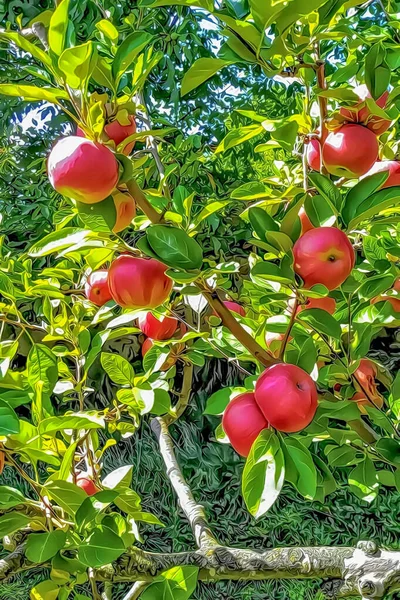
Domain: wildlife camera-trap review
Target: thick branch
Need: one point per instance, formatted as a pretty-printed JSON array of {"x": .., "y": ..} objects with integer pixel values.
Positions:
[
  {"x": 193, "y": 511},
  {"x": 142, "y": 202}
]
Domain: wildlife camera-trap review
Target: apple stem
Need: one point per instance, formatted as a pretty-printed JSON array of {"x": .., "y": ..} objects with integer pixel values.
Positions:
[{"x": 289, "y": 328}]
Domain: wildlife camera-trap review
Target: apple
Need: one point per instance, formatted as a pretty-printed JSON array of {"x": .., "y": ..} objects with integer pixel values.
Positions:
[
  {"x": 361, "y": 113},
  {"x": 350, "y": 151},
  {"x": 87, "y": 484},
  {"x": 82, "y": 169},
  {"x": 394, "y": 300},
  {"x": 305, "y": 222},
  {"x": 273, "y": 342},
  {"x": 117, "y": 210},
  {"x": 323, "y": 255},
  {"x": 157, "y": 329},
  {"x": 243, "y": 422},
  {"x": 117, "y": 132},
  {"x": 365, "y": 375},
  {"x": 97, "y": 289},
  {"x": 328, "y": 304},
  {"x": 138, "y": 282},
  {"x": 287, "y": 397},
  {"x": 314, "y": 154},
  {"x": 171, "y": 358},
  {"x": 392, "y": 166}
]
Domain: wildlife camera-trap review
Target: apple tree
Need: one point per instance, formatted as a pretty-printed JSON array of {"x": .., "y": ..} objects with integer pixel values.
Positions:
[{"x": 265, "y": 237}]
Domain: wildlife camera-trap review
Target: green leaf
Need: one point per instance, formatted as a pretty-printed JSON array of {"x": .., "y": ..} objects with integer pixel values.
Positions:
[
  {"x": 319, "y": 211},
  {"x": 217, "y": 402},
  {"x": 208, "y": 210},
  {"x": 42, "y": 367},
  {"x": 238, "y": 136},
  {"x": 201, "y": 70},
  {"x": 261, "y": 222},
  {"x": 128, "y": 51},
  {"x": 13, "y": 521},
  {"x": 363, "y": 481},
  {"x": 119, "y": 478},
  {"x": 177, "y": 583},
  {"x": 344, "y": 94},
  {"x": 58, "y": 27},
  {"x": 60, "y": 240},
  {"x": 117, "y": 368},
  {"x": 265, "y": 11},
  {"x": 373, "y": 249},
  {"x": 77, "y": 64},
  {"x": 7, "y": 288},
  {"x": 103, "y": 547},
  {"x": 377, "y": 71},
  {"x": 327, "y": 190},
  {"x": 31, "y": 93},
  {"x": 45, "y": 590},
  {"x": 322, "y": 321},
  {"x": 9, "y": 422},
  {"x": 389, "y": 449},
  {"x": 375, "y": 203},
  {"x": 175, "y": 247},
  {"x": 108, "y": 29},
  {"x": 375, "y": 285},
  {"x": 40, "y": 547},
  {"x": 299, "y": 467},
  {"x": 251, "y": 191},
  {"x": 360, "y": 192},
  {"x": 53, "y": 425},
  {"x": 263, "y": 474},
  {"x": 22, "y": 42},
  {"x": 270, "y": 272},
  {"x": 67, "y": 495},
  {"x": 10, "y": 497}
]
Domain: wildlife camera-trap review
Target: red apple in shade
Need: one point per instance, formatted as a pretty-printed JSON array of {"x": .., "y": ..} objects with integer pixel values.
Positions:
[
  {"x": 172, "y": 356},
  {"x": 287, "y": 397},
  {"x": 82, "y": 169},
  {"x": 314, "y": 154},
  {"x": 97, "y": 289},
  {"x": 117, "y": 132},
  {"x": 305, "y": 222},
  {"x": 393, "y": 168},
  {"x": 367, "y": 392},
  {"x": 323, "y": 255},
  {"x": 350, "y": 151},
  {"x": 243, "y": 422},
  {"x": 87, "y": 484},
  {"x": 138, "y": 282},
  {"x": 328, "y": 304},
  {"x": 157, "y": 329},
  {"x": 394, "y": 300}
]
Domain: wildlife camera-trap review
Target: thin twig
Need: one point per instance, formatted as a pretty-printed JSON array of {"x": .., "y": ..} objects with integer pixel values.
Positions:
[
  {"x": 136, "y": 590},
  {"x": 289, "y": 328}
]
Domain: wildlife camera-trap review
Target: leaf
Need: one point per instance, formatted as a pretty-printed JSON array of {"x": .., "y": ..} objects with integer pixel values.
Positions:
[
  {"x": 67, "y": 495},
  {"x": 270, "y": 272},
  {"x": 10, "y": 497},
  {"x": 265, "y": 11},
  {"x": 22, "y": 42},
  {"x": 53, "y": 425},
  {"x": 327, "y": 190},
  {"x": 363, "y": 481},
  {"x": 117, "y": 368},
  {"x": 263, "y": 474},
  {"x": 373, "y": 250},
  {"x": 201, "y": 70},
  {"x": 375, "y": 203},
  {"x": 238, "y": 136},
  {"x": 45, "y": 590},
  {"x": 389, "y": 449},
  {"x": 321, "y": 321},
  {"x": 319, "y": 211},
  {"x": 119, "y": 478},
  {"x": 377, "y": 71},
  {"x": 59, "y": 240},
  {"x": 108, "y": 29},
  {"x": 128, "y": 51},
  {"x": 13, "y": 521},
  {"x": 299, "y": 467},
  {"x": 31, "y": 93},
  {"x": 77, "y": 64},
  {"x": 40, "y": 547},
  {"x": 175, "y": 247},
  {"x": 9, "y": 422},
  {"x": 217, "y": 402},
  {"x": 251, "y": 191},
  {"x": 177, "y": 583},
  {"x": 375, "y": 285},
  {"x": 58, "y": 27},
  {"x": 208, "y": 210},
  {"x": 261, "y": 222},
  {"x": 340, "y": 94},
  {"x": 6, "y": 286},
  {"x": 103, "y": 547},
  {"x": 42, "y": 367},
  {"x": 360, "y": 192}
]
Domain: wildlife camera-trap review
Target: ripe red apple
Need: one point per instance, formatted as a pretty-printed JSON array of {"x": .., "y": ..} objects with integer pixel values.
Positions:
[
  {"x": 235, "y": 307},
  {"x": 118, "y": 133},
  {"x": 323, "y": 255},
  {"x": 328, "y": 304},
  {"x": 393, "y": 166},
  {"x": 287, "y": 397},
  {"x": 125, "y": 207},
  {"x": 138, "y": 282},
  {"x": 314, "y": 154},
  {"x": 97, "y": 289},
  {"x": 82, "y": 169},
  {"x": 243, "y": 422},
  {"x": 350, "y": 151},
  {"x": 157, "y": 329},
  {"x": 360, "y": 113},
  {"x": 306, "y": 224},
  {"x": 87, "y": 484}
]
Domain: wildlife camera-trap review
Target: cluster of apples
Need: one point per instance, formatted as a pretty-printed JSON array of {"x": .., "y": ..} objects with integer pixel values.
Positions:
[
  {"x": 88, "y": 172},
  {"x": 351, "y": 149}
]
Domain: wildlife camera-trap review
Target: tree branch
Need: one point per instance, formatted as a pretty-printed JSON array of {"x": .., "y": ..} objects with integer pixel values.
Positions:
[
  {"x": 184, "y": 395},
  {"x": 135, "y": 590},
  {"x": 142, "y": 202}
]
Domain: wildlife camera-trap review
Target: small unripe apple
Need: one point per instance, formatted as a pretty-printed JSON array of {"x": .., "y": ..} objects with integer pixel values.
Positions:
[
  {"x": 314, "y": 154},
  {"x": 243, "y": 422},
  {"x": 328, "y": 304},
  {"x": 138, "y": 282},
  {"x": 97, "y": 289},
  {"x": 82, "y": 169},
  {"x": 87, "y": 485},
  {"x": 392, "y": 166},
  {"x": 350, "y": 151},
  {"x": 157, "y": 329},
  {"x": 287, "y": 397},
  {"x": 323, "y": 255}
]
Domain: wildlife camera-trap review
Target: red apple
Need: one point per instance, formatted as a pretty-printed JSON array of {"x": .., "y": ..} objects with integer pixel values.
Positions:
[
  {"x": 157, "y": 329},
  {"x": 97, "y": 289},
  {"x": 138, "y": 282},
  {"x": 350, "y": 151},
  {"x": 393, "y": 166},
  {"x": 126, "y": 210},
  {"x": 306, "y": 224},
  {"x": 314, "y": 154},
  {"x": 87, "y": 484},
  {"x": 82, "y": 169},
  {"x": 118, "y": 133},
  {"x": 273, "y": 342},
  {"x": 367, "y": 392},
  {"x": 328, "y": 304},
  {"x": 323, "y": 255},
  {"x": 287, "y": 397},
  {"x": 243, "y": 422},
  {"x": 235, "y": 307},
  {"x": 360, "y": 113}
]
